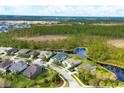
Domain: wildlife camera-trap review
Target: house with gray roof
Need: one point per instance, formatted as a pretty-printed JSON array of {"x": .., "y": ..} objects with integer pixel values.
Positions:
[
  {"x": 34, "y": 53},
  {"x": 45, "y": 54},
  {"x": 4, "y": 50},
  {"x": 32, "y": 71},
  {"x": 59, "y": 57},
  {"x": 38, "y": 62},
  {"x": 5, "y": 65},
  {"x": 18, "y": 67},
  {"x": 70, "y": 62},
  {"x": 12, "y": 51},
  {"x": 88, "y": 67},
  {"x": 23, "y": 51}
]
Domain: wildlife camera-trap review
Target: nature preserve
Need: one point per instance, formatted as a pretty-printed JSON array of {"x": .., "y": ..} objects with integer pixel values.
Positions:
[{"x": 63, "y": 52}]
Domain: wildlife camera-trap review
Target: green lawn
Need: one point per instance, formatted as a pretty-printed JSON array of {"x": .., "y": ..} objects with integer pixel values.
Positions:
[{"x": 43, "y": 80}]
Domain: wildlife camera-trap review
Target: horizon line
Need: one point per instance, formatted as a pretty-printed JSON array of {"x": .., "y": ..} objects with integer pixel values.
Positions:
[{"x": 57, "y": 15}]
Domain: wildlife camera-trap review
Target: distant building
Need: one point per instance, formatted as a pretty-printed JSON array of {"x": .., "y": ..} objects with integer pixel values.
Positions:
[
  {"x": 32, "y": 71},
  {"x": 3, "y": 28}
]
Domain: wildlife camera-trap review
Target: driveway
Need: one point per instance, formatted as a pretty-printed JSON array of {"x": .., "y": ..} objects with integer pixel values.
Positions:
[{"x": 72, "y": 82}]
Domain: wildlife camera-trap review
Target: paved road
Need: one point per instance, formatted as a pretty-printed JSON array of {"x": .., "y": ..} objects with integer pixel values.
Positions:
[{"x": 72, "y": 82}]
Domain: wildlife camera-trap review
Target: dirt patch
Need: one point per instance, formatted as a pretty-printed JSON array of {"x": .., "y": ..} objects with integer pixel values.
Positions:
[
  {"x": 109, "y": 24},
  {"x": 43, "y": 38},
  {"x": 117, "y": 43}
]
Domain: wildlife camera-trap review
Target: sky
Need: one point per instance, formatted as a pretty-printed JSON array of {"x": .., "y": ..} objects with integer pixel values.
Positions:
[
  {"x": 61, "y": 2},
  {"x": 63, "y": 7},
  {"x": 63, "y": 10}
]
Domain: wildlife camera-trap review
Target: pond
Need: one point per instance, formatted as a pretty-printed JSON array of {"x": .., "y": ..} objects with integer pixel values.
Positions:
[
  {"x": 78, "y": 51},
  {"x": 119, "y": 72}
]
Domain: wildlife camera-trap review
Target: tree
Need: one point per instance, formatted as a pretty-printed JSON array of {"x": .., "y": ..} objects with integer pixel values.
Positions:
[{"x": 102, "y": 83}]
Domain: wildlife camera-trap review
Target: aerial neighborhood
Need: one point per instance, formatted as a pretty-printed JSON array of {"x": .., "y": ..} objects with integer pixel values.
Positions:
[
  {"x": 32, "y": 63},
  {"x": 5, "y": 26}
]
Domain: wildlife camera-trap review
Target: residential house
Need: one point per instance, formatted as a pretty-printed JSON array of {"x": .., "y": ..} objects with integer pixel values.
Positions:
[
  {"x": 45, "y": 54},
  {"x": 12, "y": 51},
  {"x": 4, "y": 65},
  {"x": 18, "y": 60},
  {"x": 34, "y": 53},
  {"x": 18, "y": 67},
  {"x": 38, "y": 62},
  {"x": 32, "y": 71},
  {"x": 70, "y": 62},
  {"x": 59, "y": 57},
  {"x": 3, "y": 50},
  {"x": 23, "y": 51},
  {"x": 88, "y": 67}
]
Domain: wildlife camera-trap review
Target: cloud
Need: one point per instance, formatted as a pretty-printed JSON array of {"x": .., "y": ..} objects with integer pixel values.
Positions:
[
  {"x": 61, "y": 2},
  {"x": 63, "y": 10}
]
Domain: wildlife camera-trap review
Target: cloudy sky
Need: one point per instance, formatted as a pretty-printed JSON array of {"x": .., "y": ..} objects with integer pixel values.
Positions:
[{"x": 63, "y": 10}]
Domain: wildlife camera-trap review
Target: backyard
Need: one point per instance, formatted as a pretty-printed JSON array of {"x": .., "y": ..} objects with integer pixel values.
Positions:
[{"x": 49, "y": 78}]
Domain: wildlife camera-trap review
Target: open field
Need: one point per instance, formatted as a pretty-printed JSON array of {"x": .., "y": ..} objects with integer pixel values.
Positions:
[
  {"x": 108, "y": 24},
  {"x": 43, "y": 38},
  {"x": 119, "y": 43}
]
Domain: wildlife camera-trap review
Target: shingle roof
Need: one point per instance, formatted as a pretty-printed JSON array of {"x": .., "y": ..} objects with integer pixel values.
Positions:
[
  {"x": 88, "y": 67},
  {"x": 35, "y": 53},
  {"x": 23, "y": 51},
  {"x": 32, "y": 71},
  {"x": 16, "y": 66},
  {"x": 72, "y": 61},
  {"x": 59, "y": 56},
  {"x": 5, "y": 63},
  {"x": 13, "y": 50},
  {"x": 75, "y": 62}
]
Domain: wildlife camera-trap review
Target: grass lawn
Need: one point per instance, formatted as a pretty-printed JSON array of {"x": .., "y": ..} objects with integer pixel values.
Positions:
[{"x": 45, "y": 79}]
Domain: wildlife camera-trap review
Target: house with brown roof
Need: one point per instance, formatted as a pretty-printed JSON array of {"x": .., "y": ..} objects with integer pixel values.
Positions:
[
  {"x": 4, "y": 65},
  {"x": 33, "y": 71},
  {"x": 18, "y": 67}
]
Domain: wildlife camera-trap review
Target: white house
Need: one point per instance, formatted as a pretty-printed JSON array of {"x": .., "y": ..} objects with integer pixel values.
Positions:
[
  {"x": 38, "y": 62},
  {"x": 70, "y": 62},
  {"x": 45, "y": 54},
  {"x": 3, "y": 50},
  {"x": 18, "y": 60}
]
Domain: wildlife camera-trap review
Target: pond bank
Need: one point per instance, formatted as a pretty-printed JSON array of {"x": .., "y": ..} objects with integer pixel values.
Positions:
[{"x": 119, "y": 72}]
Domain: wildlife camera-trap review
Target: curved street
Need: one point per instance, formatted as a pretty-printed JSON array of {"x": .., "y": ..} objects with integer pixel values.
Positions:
[{"x": 72, "y": 82}]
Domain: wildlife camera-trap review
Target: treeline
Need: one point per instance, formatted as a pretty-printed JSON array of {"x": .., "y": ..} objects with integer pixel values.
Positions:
[
  {"x": 92, "y": 37},
  {"x": 109, "y": 31}
]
